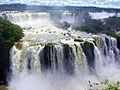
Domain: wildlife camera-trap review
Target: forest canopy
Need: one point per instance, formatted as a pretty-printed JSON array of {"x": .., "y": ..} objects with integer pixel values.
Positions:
[
  {"x": 9, "y": 33},
  {"x": 107, "y": 26}
]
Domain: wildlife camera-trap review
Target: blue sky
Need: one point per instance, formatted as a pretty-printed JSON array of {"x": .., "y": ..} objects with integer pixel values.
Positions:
[{"x": 99, "y": 3}]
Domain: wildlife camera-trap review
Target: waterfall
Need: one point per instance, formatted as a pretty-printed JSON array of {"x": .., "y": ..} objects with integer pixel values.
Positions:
[
  {"x": 65, "y": 58},
  {"x": 23, "y": 17},
  {"x": 38, "y": 17},
  {"x": 49, "y": 52},
  {"x": 56, "y": 58},
  {"x": 106, "y": 57}
]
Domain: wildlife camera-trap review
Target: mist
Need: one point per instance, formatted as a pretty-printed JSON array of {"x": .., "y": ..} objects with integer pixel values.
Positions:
[{"x": 50, "y": 81}]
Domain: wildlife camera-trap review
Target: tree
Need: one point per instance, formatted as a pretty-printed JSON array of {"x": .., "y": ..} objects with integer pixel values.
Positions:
[{"x": 9, "y": 34}]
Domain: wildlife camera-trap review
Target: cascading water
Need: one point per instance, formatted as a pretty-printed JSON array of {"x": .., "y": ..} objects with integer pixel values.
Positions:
[
  {"x": 65, "y": 59},
  {"x": 46, "y": 59},
  {"x": 61, "y": 58}
]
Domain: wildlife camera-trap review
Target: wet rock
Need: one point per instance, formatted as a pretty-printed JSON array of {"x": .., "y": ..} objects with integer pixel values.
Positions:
[
  {"x": 3, "y": 87},
  {"x": 78, "y": 40},
  {"x": 118, "y": 43},
  {"x": 88, "y": 49},
  {"x": 69, "y": 58}
]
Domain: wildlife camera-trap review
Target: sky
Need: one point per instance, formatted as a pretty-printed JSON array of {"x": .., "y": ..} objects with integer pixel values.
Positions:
[{"x": 98, "y": 3}]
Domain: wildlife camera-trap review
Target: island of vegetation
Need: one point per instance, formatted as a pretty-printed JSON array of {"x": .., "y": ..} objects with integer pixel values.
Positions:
[{"x": 109, "y": 26}]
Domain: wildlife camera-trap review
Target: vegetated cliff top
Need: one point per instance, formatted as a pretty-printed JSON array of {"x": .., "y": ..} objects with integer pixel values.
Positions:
[{"x": 9, "y": 33}]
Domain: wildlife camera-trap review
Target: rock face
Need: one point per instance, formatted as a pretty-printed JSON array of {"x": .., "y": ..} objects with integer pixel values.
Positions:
[
  {"x": 68, "y": 59},
  {"x": 4, "y": 65},
  {"x": 88, "y": 49},
  {"x": 118, "y": 43}
]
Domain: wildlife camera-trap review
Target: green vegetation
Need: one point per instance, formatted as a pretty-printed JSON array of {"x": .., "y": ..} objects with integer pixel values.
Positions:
[
  {"x": 19, "y": 45},
  {"x": 111, "y": 87},
  {"x": 113, "y": 23},
  {"x": 37, "y": 44},
  {"x": 109, "y": 26},
  {"x": 50, "y": 44},
  {"x": 12, "y": 7},
  {"x": 87, "y": 44},
  {"x": 9, "y": 34}
]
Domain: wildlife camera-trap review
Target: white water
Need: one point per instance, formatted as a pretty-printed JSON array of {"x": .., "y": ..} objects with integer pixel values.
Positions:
[
  {"x": 101, "y": 15},
  {"x": 29, "y": 81},
  {"x": 39, "y": 30}
]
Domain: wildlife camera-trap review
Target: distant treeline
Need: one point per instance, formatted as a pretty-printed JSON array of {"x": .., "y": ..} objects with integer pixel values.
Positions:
[
  {"x": 22, "y": 7},
  {"x": 12, "y": 7}
]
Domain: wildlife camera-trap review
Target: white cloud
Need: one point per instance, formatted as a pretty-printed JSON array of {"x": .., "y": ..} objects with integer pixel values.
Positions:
[{"x": 100, "y": 3}]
